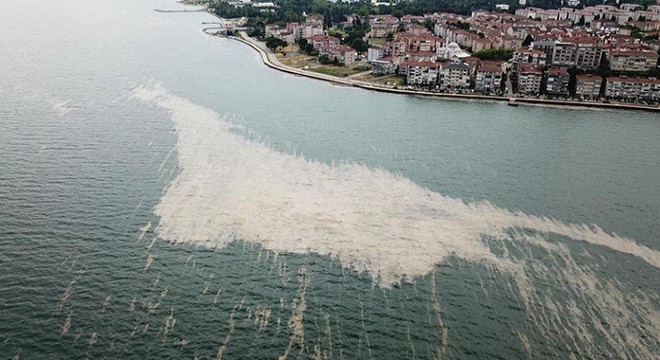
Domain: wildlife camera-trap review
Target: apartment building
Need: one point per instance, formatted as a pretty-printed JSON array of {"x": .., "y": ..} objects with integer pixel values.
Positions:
[
  {"x": 457, "y": 75},
  {"x": 489, "y": 78},
  {"x": 630, "y": 89},
  {"x": 529, "y": 79},
  {"x": 420, "y": 72},
  {"x": 588, "y": 86},
  {"x": 556, "y": 82},
  {"x": 632, "y": 60}
]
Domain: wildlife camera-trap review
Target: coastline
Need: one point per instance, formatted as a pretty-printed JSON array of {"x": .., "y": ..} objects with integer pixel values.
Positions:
[{"x": 269, "y": 59}]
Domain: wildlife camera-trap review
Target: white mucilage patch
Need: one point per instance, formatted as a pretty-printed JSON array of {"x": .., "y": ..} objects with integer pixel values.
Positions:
[{"x": 230, "y": 187}]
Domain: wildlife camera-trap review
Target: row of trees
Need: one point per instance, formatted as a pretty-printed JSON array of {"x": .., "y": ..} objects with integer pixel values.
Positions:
[
  {"x": 273, "y": 43},
  {"x": 495, "y": 54},
  {"x": 335, "y": 12},
  {"x": 293, "y": 10}
]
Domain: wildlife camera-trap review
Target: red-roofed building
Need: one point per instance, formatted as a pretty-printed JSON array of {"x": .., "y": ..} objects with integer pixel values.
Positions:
[
  {"x": 407, "y": 19},
  {"x": 405, "y": 42},
  {"x": 557, "y": 82},
  {"x": 481, "y": 44},
  {"x": 343, "y": 54},
  {"x": 528, "y": 56},
  {"x": 529, "y": 79},
  {"x": 510, "y": 42},
  {"x": 458, "y": 75},
  {"x": 645, "y": 25},
  {"x": 475, "y": 61},
  {"x": 588, "y": 86},
  {"x": 489, "y": 78},
  {"x": 323, "y": 41},
  {"x": 632, "y": 89},
  {"x": 381, "y": 25},
  {"x": 581, "y": 52},
  {"x": 420, "y": 72},
  {"x": 632, "y": 60},
  {"x": 631, "y": 7},
  {"x": 417, "y": 29},
  {"x": 304, "y": 31},
  {"x": 384, "y": 66},
  {"x": 421, "y": 56}
]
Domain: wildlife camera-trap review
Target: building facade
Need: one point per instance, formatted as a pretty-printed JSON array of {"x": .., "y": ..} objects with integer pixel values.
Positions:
[
  {"x": 632, "y": 89},
  {"x": 556, "y": 82},
  {"x": 420, "y": 73},
  {"x": 529, "y": 79},
  {"x": 588, "y": 87},
  {"x": 457, "y": 75},
  {"x": 632, "y": 60},
  {"x": 488, "y": 79}
]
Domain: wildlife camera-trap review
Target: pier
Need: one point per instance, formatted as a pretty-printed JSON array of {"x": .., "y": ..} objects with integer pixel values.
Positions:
[{"x": 223, "y": 26}]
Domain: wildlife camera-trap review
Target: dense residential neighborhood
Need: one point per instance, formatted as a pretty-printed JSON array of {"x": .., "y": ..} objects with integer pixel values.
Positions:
[{"x": 592, "y": 53}]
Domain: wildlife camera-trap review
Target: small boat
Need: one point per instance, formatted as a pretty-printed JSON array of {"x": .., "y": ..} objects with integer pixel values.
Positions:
[{"x": 512, "y": 102}]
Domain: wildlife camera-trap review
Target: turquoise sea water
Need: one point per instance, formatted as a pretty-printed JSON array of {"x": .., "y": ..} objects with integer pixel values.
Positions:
[{"x": 84, "y": 166}]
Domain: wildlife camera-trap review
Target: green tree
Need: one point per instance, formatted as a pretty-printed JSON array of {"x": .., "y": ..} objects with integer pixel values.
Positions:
[
  {"x": 603, "y": 88},
  {"x": 352, "y": 35},
  {"x": 572, "y": 82},
  {"x": 325, "y": 60},
  {"x": 273, "y": 43},
  {"x": 429, "y": 25},
  {"x": 544, "y": 85},
  {"x": 494, "y": 54},
  {"x": 503, "y": 83},
  {"x": 528, "y": 41},
  {"x": 636, "y": 32},
  {"x": 360, "y": 45},
  {"x": 336, "y": 34},
  {"x": 256, "y": 32},
  {"x": 463, "y": 25},
  {"x": 514, "y": 82},
  {"x": 302, "y": 44},
  {"x": 363, "y": 11},
  {"x": 604, "y": 69}
]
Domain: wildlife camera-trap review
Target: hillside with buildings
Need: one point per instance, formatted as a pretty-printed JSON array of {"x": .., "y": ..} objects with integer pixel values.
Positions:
[{"x": 601, "y": 52}]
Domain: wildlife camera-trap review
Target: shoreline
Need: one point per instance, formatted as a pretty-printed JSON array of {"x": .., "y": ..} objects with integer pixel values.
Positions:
[{"x": 269, "y": 59}]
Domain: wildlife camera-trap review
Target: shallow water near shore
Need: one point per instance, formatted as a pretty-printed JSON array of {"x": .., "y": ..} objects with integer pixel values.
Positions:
[{"x": 165, "y": 195}]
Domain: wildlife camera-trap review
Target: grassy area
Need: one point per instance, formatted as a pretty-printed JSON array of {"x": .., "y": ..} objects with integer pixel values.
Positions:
[
  {"x": 296, "y": 60},
  {"x": 290, "y": 56},
  {"x": 391, "y": 79},
  {"x": 338, "y": 71},
  {"x": 375, "y": 41}
]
